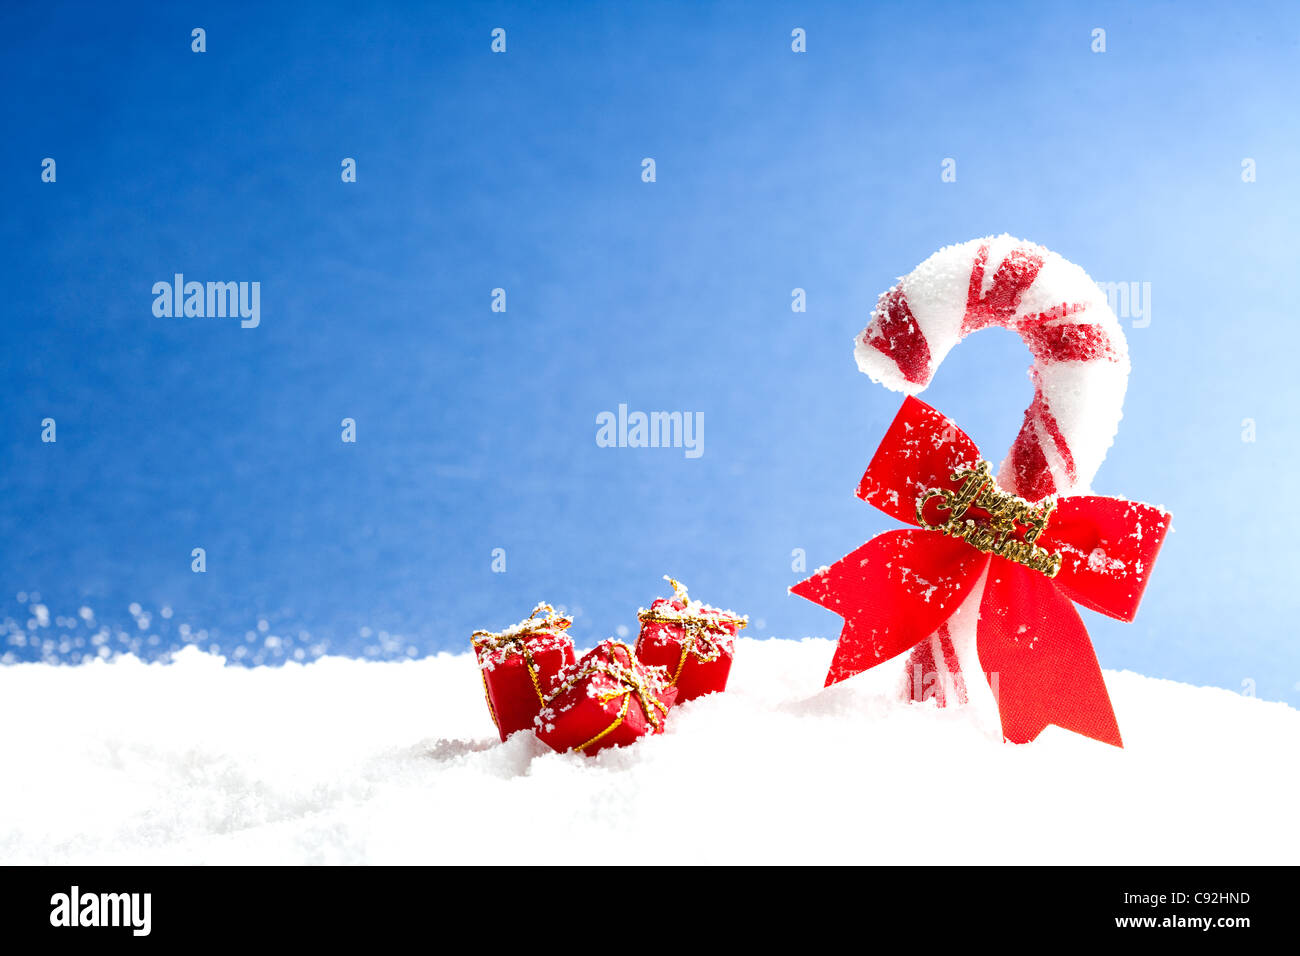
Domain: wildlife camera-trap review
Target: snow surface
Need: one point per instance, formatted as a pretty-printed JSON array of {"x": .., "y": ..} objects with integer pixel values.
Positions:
[{"x": 347, "y": 761}]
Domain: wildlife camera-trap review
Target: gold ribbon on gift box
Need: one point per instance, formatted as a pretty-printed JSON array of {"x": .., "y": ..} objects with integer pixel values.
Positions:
[
  {"x": 702, "y": 632},
  {"x": 631, "y": 683},
  {"x": 514, "y": 640}
]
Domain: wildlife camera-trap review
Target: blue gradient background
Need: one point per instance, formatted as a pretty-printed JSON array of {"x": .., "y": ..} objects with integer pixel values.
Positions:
[{"x": 476, "y": 429}]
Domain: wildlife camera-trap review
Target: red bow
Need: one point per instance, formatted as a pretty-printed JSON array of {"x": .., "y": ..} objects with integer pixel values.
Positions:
[{"x": 901, "y": 586}]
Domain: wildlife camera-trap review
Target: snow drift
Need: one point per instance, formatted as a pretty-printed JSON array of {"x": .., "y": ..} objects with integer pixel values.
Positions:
[{"x": 346, "y": 761}]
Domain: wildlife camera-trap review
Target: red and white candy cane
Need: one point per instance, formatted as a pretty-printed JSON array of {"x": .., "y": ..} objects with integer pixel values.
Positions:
[{"x": 1080, "y": 373}]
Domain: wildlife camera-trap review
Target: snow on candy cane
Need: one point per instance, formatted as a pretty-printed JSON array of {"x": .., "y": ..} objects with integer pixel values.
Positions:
[
  {"x": 1080, "y": 374},
  {"x": 1080, "y": 369}
]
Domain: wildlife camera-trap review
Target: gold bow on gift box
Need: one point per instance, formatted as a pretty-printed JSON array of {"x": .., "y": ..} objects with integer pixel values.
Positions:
[
  {"x": 702, "y": 631},
  {"x": 630, "y": 683}
]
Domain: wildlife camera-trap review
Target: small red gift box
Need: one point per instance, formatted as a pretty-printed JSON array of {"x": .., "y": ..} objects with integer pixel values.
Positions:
[
  {"x": 694, "y": 642},
  {"x": 518, "y": 663},
  {"x": 607, "y": 699}
]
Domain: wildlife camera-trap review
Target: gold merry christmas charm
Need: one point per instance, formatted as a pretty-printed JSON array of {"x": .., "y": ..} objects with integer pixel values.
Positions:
[{"x": 993, "y": 533}]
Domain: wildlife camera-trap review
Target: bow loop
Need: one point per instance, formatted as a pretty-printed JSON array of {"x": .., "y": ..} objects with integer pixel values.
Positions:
[
  {"x": 1107, "y": 547},
  {"x": 922, "y": 449}
]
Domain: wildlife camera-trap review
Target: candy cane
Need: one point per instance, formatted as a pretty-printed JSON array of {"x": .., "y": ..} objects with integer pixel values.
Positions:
[{"x": 1080, "y": 373}]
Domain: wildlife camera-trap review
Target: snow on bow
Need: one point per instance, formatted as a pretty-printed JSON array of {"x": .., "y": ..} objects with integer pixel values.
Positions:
[{"x": 902, "y": 586}]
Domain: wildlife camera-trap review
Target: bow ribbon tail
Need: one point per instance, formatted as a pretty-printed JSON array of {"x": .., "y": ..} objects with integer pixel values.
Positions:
[
  {"x": 892, "y": 592},
  {"x": 1039, "y": 659}
]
